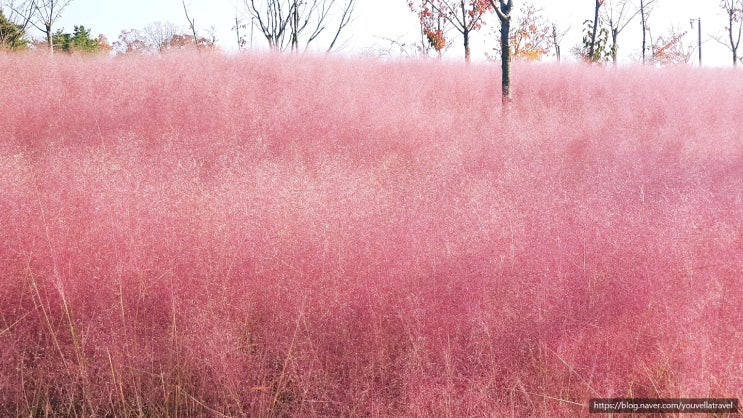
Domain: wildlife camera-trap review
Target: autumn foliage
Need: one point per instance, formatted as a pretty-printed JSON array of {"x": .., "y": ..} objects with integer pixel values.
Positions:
[
  {"x": 265, "y": 235},
  {"x": 530, "y": 38},
  {"x": 670, "y": 49},
  {"x": 436, "y": 15}
]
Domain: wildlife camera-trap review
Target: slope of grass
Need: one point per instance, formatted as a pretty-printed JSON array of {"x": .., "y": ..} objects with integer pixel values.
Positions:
[{"x": 272, "y": 236}]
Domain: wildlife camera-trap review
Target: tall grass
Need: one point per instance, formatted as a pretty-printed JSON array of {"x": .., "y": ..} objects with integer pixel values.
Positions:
[{"x": 270, "y": 236}]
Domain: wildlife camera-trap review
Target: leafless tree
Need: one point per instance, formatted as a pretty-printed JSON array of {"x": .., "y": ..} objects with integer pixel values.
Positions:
[
  {"x": 191, "y": 21},
  {"x": 208, "y": 41},
  {"x": 239, "y": 25},
  {"x": 557, "y": 36},
  {"x": 646, "y": 8},
  {"x": 619, "y": 13},
  {"x": 157, "y": 35},
  {"x": 290, "y": 23},
  {"x": 396, "y": 48},
  {"x": 345, "y": 20},
  {"x": 131, "y": 41},
  {"x": 734, "y": 12},
  {"x": 45, "y": 14}
]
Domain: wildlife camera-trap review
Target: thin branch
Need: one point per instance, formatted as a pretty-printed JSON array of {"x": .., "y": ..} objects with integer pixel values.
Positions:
[
  {"x": 345, "y": 20},
  {"x": 191, "y": 22}
]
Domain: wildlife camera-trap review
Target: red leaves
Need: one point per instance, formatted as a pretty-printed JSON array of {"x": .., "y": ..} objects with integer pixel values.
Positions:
[
  {"x": 436, "y": 39},
  {"x": 433, "y": 14},
  {"x": 530, "y": 38},
  {"x": 670, "y": 49}
]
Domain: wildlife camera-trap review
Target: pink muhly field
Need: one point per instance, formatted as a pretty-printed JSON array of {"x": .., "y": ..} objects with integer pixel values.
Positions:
[{"x": 201, "y": 235}]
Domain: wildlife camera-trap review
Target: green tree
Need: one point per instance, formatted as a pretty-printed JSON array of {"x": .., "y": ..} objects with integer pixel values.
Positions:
[
  {"x": 595, "y": 45},
  {"x": 12, "y": 35},
  {"x": 77, "y": 41}
]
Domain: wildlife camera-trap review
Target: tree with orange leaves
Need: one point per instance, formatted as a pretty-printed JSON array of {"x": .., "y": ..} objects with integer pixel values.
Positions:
[
  {"x": 466, "y": 16},
  {"x": 531, "y": 37},
  {"x": 670, "y": 49},
  {"x": 433, "y": 28}
]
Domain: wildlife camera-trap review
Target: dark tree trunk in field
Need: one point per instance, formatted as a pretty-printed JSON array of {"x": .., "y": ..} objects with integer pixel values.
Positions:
[
  {"x": 46, "y": 13},
  {"x": 643, "y": 21},
  {"x": 466, "y": 36},
  {"x": 591, "y": 49},
  {"x": 734, "y": 43},
  {"x": 503, "y": 10},
  {"x": 619, "y": 13},
  {"x": 295, "y": 27},
  {"x": 614, "y": 37},
  {"x": 505, "y": 55},
  {"x": 49, "y": 39}
]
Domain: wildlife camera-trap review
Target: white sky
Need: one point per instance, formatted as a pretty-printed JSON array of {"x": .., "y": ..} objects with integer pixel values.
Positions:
[{"x": 375, "y": 20}]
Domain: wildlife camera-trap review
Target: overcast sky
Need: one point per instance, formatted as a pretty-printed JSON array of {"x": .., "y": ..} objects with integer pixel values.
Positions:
[{"x": 376, "y": 22}]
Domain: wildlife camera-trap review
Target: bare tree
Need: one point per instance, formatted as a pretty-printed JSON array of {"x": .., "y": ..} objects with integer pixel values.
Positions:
[
  {"x": 158, "y": 35},
  {"x": 345, "y": 20},
  {"x": 191, "y": 21},
  {"x": 289, "y": 23},
  {"x": 557, "y": 36},
  {"x": 646, "y": 7},
  {"x": 131, "y": 41},
  {"x": 45, "y": 14},
  {"x": 734, "y": 11},
  {"x": 619, "y": 14},
  {"x": 272, "y": 20},
  {"x": 396, "y": 47},
  {"x": 200, "y": 41}
]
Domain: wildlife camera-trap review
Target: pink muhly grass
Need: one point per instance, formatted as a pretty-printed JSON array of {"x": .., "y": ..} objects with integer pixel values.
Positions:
[{"x": 265, "y": 235}]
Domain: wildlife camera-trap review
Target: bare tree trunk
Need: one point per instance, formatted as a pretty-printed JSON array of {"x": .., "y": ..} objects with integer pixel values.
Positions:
[
  {"x": 237, "y": 29},
  {"x": 47, "y": 12},
  {"x": 554, "y": 42},
  {"x": 643, "y": 21},
  {"x": 192, "y": 23},
  {"x": 503, "y": 10},
  {"x": 294, "y": 24},
  {"x": 591, "y": 49},
  {"x": 49, "y": 37},
  {"x": 295, "y": 27},
  {"x": 344, "y": 21},
  {"x": 614, "y": 36},
  {"x": 733, "y": 42},
  {"x": 619, "y": 17},
  {"x": 505, "y": 56},
  {"x": 466, "y": 34}
]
